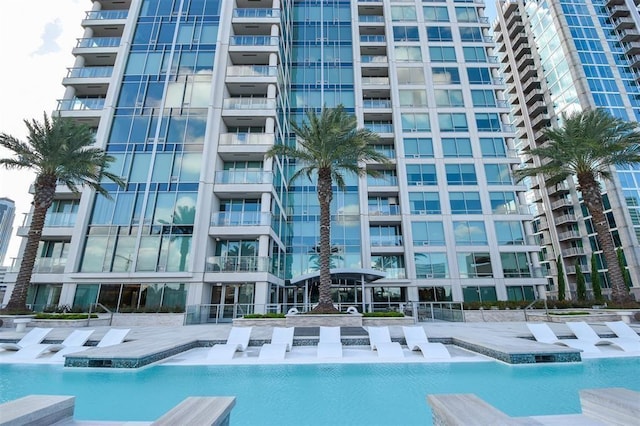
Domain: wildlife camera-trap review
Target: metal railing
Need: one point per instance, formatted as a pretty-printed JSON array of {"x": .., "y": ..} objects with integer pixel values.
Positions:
[
  {"x": 92, "y": 310},
  {"x": 419, "y": 311}
]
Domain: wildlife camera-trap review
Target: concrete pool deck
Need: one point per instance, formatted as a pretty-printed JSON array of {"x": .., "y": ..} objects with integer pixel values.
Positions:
[{"x": 510, "y": 342}]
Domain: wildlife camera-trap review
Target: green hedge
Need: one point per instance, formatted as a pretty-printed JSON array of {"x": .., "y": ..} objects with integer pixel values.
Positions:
[
  {"x": 382, "y": 314},
  {"x": 44, "y": 316},
  {"x": 260, "y": 316}
]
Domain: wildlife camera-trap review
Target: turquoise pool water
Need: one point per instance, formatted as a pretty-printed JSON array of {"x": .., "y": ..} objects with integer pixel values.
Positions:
[{"x": 346, "y": 394}]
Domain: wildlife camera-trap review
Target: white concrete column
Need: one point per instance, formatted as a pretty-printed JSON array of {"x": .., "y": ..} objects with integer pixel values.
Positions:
[
  {"x": 261, "y": 294},
  {"x": 275, "y": 31},
  {"x": 273, "y": 59},
  {"x": 271, "y": 91},
  {"x": 67, "y": 294},
  {"x": 270, "y": 125}
]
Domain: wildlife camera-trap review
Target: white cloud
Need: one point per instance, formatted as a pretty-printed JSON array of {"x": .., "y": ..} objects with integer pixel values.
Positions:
[{"x": 31, "y": 83}]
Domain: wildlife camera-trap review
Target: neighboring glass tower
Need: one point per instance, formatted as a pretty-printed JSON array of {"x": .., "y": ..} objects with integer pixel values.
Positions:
[
  {"x": 188, "y": 95},
  {"x": 561, "y": 56},
  {"x": 7, "y": 214}
]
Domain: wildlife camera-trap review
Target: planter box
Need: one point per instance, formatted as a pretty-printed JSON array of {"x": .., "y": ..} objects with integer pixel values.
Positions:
[
  {"x": 329, "y": 320},
  {"x": 7, "y": 320},
  {"x": 260, "y": 322},
  {"x": 48, "y": 323},
  {"x": 128, "y": 320},
  {"x": 387, "y": 321}
]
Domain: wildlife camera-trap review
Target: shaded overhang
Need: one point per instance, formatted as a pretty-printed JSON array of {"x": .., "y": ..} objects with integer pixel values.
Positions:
[{"x": 367, "y": 275}]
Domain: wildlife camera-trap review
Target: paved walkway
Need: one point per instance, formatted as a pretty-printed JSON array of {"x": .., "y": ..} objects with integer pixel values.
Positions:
[{"x": 467, "y": 342}]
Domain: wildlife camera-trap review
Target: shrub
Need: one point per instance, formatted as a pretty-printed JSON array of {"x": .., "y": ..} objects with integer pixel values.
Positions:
[
  {"x": 64, "y": 316},
  {"x": 259, "y": 316},
  {"x": 382, "y": 314}
]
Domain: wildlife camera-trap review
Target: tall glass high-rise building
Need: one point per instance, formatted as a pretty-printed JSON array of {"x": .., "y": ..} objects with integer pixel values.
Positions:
[
  {"x": 7, "y": 214},
  {"x": 562, "y": 56},
  {"x": 188, "y": 95}
]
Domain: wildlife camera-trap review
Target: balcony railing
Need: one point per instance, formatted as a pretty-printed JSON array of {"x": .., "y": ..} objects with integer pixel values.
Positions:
[
  {"x": 44, "y": 265},
  {"x": 379, "y": 127},
  {"x": 386, "y": 241},
  {"x": 368, "y": 59},
  {"x": 249, "y": 103},
  {"x": 54, "y": 220},
  {"x": 372, "y": 38},
  {"x": 99, "y": 42},
  {"x": 89, "y": 72},
  {"x": 382, "y": 181},
  {"x": 80, "y": 104},
  {"x": 252, "y": 71},
  {"x": 106, "y": 14},
  {"x": 241, "y": 219},
  {"x": 238, "y": 264},
  {"x": 393, "y": 273},
  {"x": 375, "y": 81},
  {"x": 390, "y": 210},
  {"x": 254, "y": 41},
  {"x": 377, "y": 103},
  {"x": 371, "y": 18},
  {"x": 246, "y": 139},
  {"x": 243, "y": 177},
  {"x": 256, "y": 13}
]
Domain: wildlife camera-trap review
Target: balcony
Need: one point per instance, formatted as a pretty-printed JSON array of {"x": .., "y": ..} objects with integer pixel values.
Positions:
[
  {"x": 375, "y": 81},
  {"x": 374, "y": 59},
  {"x": 252, "y": 71},
  {"x": 371, "y": 18},
  {"x": 243, "y": 177},
  {"x": 569, "y": 235},
  {"x": 376, "y": 103},
  {"x": 392, "y": 273},
  {"x": 256, "y": 13},
  {"x": 247, "y": 139},
  {"x": 98, "y": 42},
  {"x": 623, "y": 23},
  {"x": 44, "y": 265},
  {"x": 81, "y": 104},
  {"x": 104, "y": 15},
  {"x": 379, "y": 127},
  {"x": 252, "y": 41},
  {"x": 619, "y": 11},
  {"x": 388, "y": 210},
  {"x": 567, "y": 218},
  {"x": 573, "y": 251},
  {"x": 243, "y": 104},
  {"x": 373, "y": 38},
  {"x": 561, "y": 203},
  {"x": 238, "y": 264},
  {"x": 89, "y": 72},
  {"x": 241, "y": 219},
  {"x": 386, "y": 241},
  {"x": 629, "y": 35}
]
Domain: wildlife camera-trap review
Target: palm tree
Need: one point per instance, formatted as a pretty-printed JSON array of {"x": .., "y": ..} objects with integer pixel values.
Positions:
[
  {"x": 329, "y": 144},
  {"x": 588, "y": 146},
  {"x": 57, "y": 150}
]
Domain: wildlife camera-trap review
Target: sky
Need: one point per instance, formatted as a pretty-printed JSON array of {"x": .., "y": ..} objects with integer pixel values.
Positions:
[{"x": 36, "y": 39}]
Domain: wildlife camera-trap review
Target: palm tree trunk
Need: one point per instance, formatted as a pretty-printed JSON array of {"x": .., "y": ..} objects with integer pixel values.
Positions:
[
  {"x": 45, "y": 188},
  {"x": 593, "y": 200},
  {"x": 325, "y": 194}
]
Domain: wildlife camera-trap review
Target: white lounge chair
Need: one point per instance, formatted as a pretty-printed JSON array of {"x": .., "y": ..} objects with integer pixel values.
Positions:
[
  {"x": 584, "y": 332},
  {"x": 281, "y": 343},
  {"x": 380, "y": 341},
  {"x": 623, "y": 330},
  {"x": 75, "y": 340},
  {"x": 543, "y": 334},
  {"x": 114, "y": 336},
  {"x": 33, "y": 337},
  {"x": 238, "y": 340},
  {"x": 329, "y": 345},
  {"x": 417, "y": 340}
]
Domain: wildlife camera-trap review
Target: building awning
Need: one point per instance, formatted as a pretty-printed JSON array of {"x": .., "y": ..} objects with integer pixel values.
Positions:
[{"x": 346, "y": 273}]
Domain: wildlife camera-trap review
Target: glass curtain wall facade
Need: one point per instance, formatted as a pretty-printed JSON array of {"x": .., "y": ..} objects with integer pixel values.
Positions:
[
  {"x": 561, "y": 57},
  {"x": 188, "y": 95}
]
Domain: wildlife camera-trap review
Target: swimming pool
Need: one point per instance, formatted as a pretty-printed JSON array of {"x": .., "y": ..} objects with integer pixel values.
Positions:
[{"x": 321, "y": 394}]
